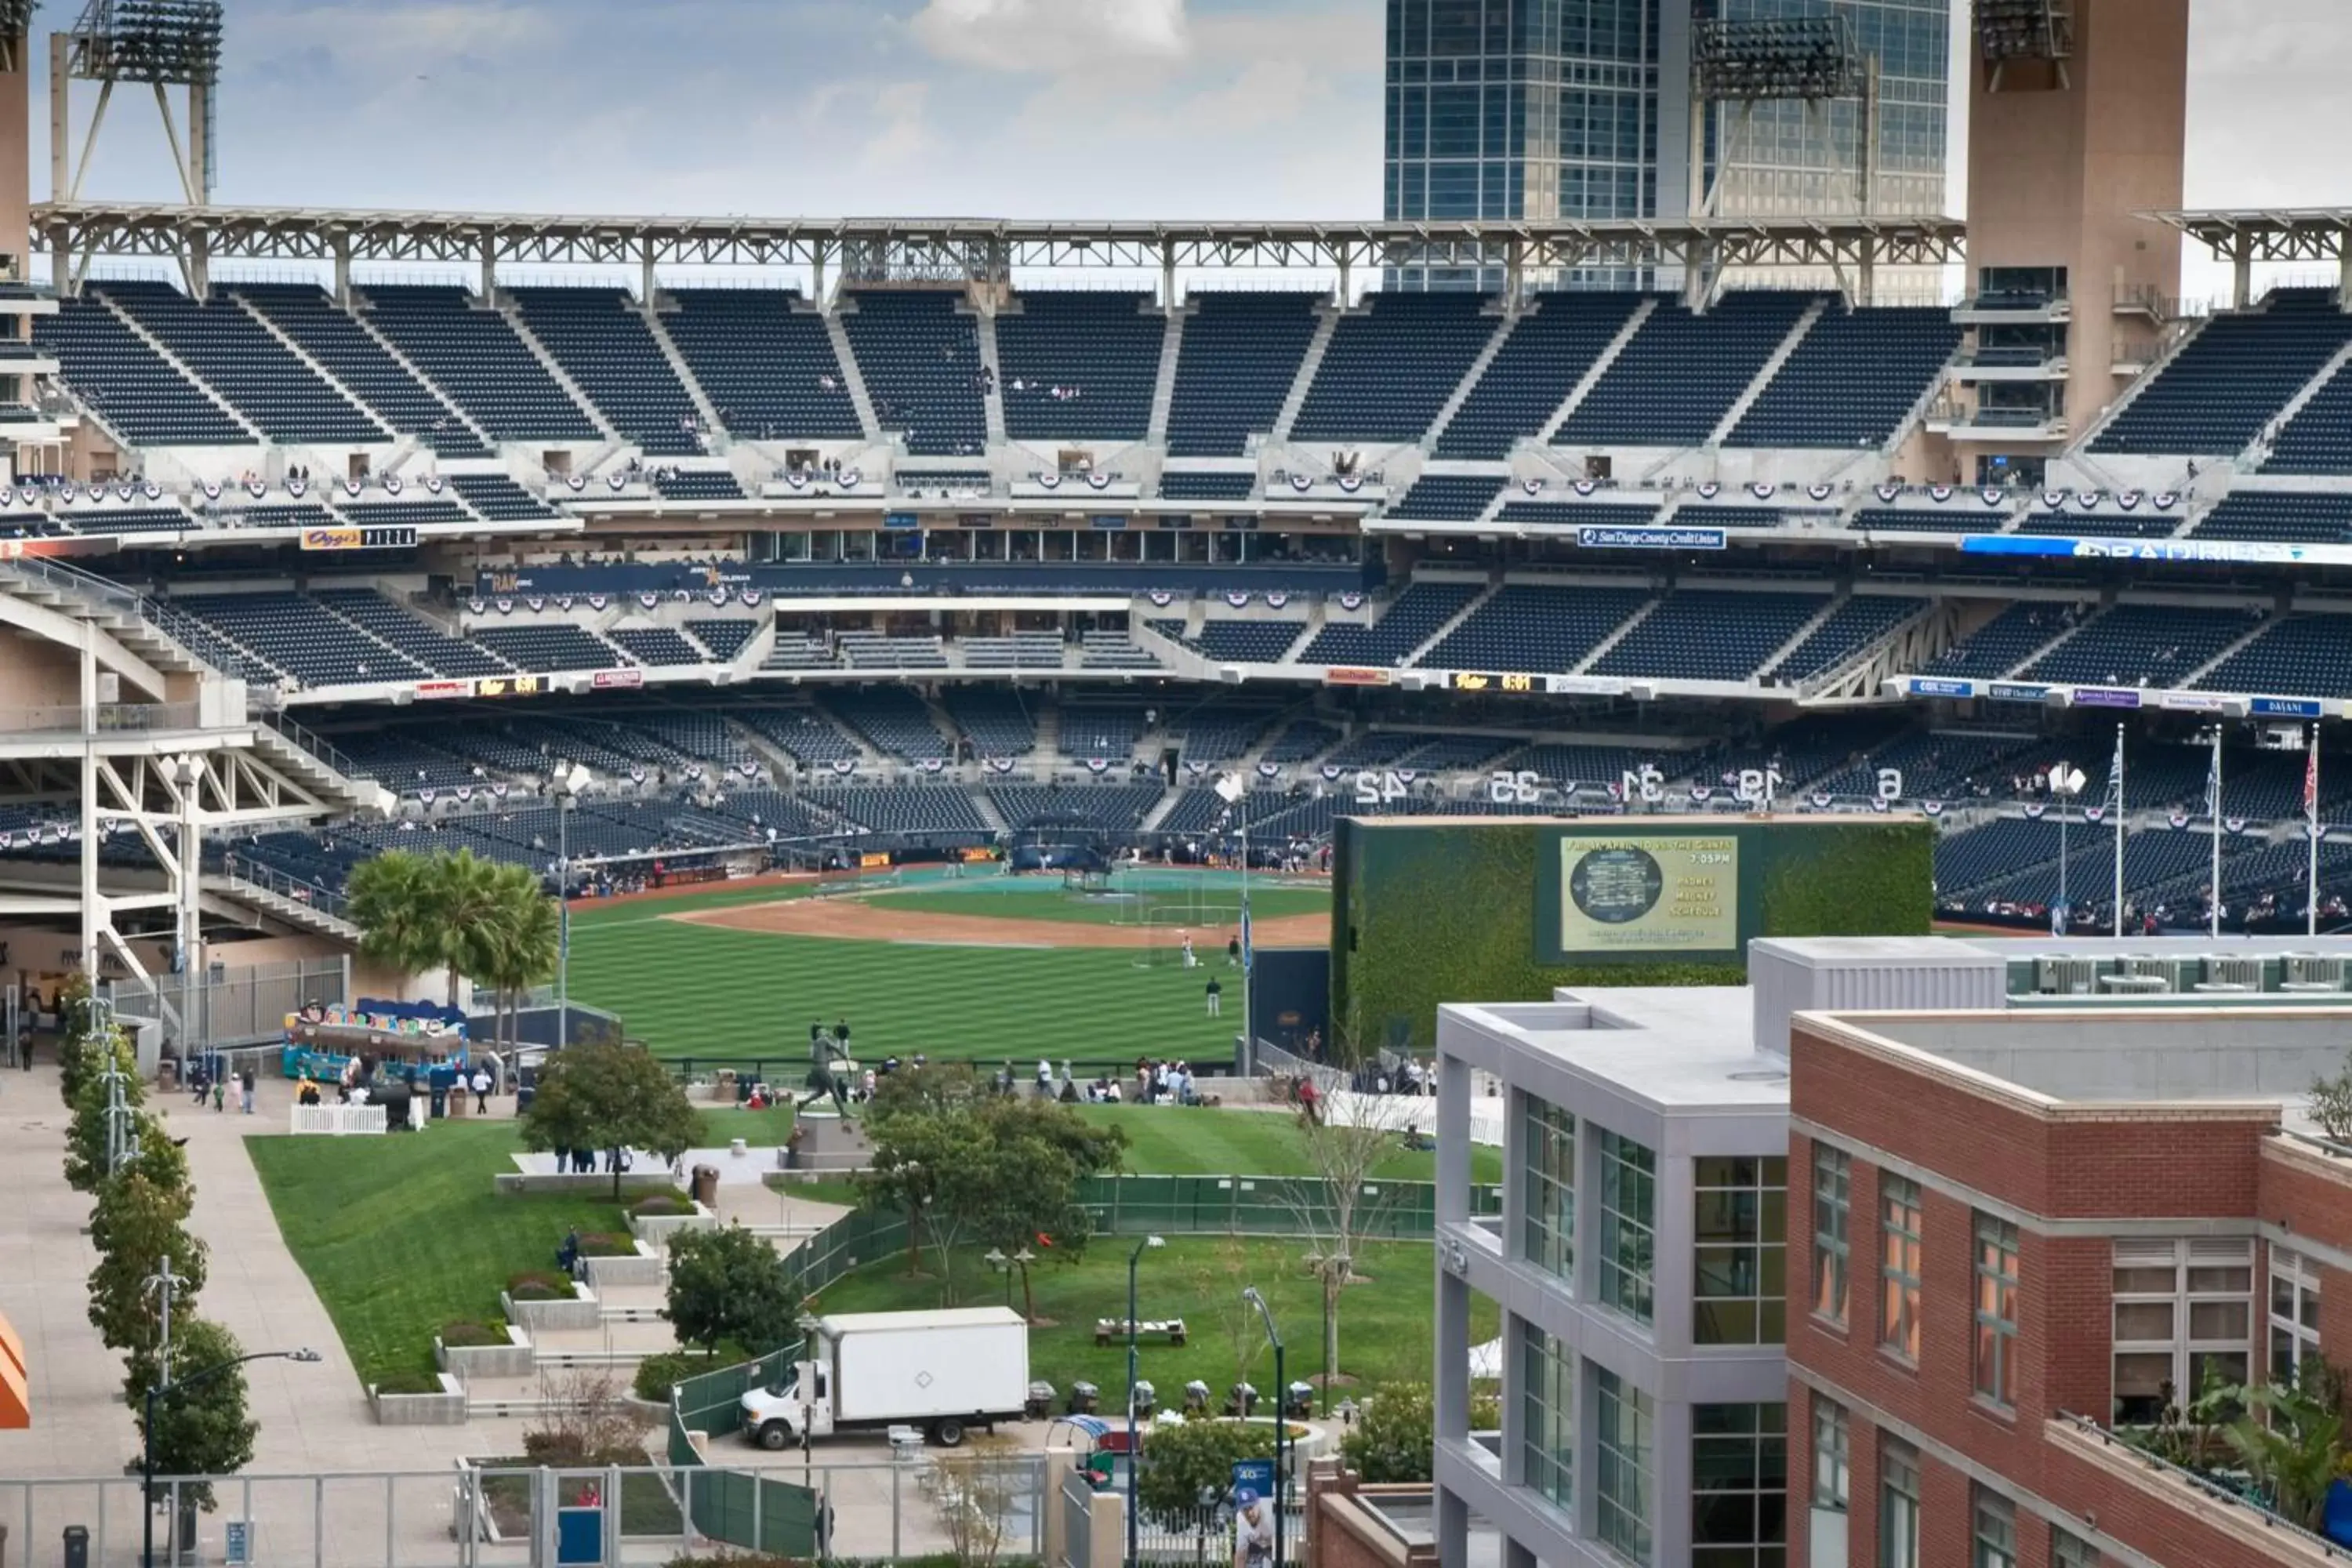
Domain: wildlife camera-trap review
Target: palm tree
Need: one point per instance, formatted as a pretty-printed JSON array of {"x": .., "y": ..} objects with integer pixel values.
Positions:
[
  {"x": 390, "y": 898},
  {"x": 466, "y": 902},
  {"x": 517, "y": 950}
]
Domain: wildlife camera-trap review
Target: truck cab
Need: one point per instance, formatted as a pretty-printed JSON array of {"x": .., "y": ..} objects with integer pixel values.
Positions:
[{"x": 773, "y": 1416}]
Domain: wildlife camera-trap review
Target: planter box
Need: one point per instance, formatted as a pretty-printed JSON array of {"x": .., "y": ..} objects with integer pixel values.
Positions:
[
  {"x": 655, "y": 1230},
  {"x": 645, "y": 1269},
  {"x": 446, "y": 1408},
  {"x": 582, "y": 1311},
  {"x": 643, "y": 1184},
  {"x": 512, "y": 1359}
]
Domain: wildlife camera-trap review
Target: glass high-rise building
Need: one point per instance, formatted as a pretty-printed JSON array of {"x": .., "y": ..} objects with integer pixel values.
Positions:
[{"x": 1581, "y": 109}]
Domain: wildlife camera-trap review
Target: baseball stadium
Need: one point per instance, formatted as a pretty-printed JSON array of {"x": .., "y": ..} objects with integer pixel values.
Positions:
[{"x": 1111, "y": 654}]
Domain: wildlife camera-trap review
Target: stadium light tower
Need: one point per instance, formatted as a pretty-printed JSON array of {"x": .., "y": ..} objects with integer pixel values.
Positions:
[
  {"x": 163, "y": 43},
  {"x": 2024, "y": 30},
  {"x": 1810, "y": 60}
]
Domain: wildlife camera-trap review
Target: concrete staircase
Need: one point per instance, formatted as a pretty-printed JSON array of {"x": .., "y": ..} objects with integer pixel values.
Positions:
[
  {"x": 1439, "y": 635},
  {"x": 2255, "y": 451},
  {"x": 563, "y": 378},
  {"x": 1163, "y": 387},
  {"x": 708, "y": 410},
  {"x": 1470, "y": 379},
  {"x": 1763, "y": 378},
  {"x": 155, "y": 346},
  {"x": 1309, "y": 364},
  {"x": 1600, "y": 648},
  {"x": 317, "y": 369},
  {"x": 851, "y": 378},
  {"x": 991, "y": 401},
  {"x": 1592, "y": 374}
]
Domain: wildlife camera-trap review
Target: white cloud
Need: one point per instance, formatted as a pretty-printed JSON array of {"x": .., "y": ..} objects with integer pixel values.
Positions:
[{"x": 1054, "y": 36}]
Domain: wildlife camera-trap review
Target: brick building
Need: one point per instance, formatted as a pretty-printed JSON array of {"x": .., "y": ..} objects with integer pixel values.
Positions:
[
  {"x": 2072, "y": 1179},
  {"x": 2027, "y": 1231}
]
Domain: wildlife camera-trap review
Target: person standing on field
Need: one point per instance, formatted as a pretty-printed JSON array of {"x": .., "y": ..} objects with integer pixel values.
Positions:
[{"x": 1216, "y": 997}]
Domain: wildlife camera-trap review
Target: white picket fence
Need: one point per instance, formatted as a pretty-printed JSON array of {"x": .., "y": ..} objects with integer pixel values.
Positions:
[{"x": 339, "y": 1120}]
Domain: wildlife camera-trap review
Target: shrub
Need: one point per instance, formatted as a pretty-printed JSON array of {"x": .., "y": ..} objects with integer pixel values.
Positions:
[
  {"x": 541, "y": 1285},
  {"x": 660, "y": 1206},
  {"x": 2331, "y": 1106},
  {"x": 657, "y": 1374},
  {"x": 409, "y": 1382},
  {"x": 602, "y": 1244},
  {"x": 464, "y": 1333}
]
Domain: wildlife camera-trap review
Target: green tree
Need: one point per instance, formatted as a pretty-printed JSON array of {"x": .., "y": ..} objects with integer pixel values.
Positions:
[
  {"x": 1184, "y": 1460},
  {"x": 138, "y": 1222},
  {"x": 917, "y": 1153},
  {"x": 89, "y": 1133},
  {"x": 519, "y": 946},
  {"x": 78, "y": 1018},
  {"x": 420, "y": 912},
  {"x": 610, "y": 1097},
  {"x": 203, "y": 1429},
  {"x": 1392, "y": 1437},
  {"x": 726, "y": 1283}
]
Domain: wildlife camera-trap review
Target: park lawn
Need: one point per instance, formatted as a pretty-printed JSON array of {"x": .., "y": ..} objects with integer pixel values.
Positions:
[
  {"x": 1004, "y": 898},
  {"x": 1385, "y": 1328},
  {"x": 402, "y": 1234},
  {"x": 738, "y": 996},
  {"x": 1170, "y": 1141}
]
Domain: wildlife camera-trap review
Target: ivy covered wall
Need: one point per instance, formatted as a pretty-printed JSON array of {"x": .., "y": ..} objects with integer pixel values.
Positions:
[{"x": 1434, "y": 909}]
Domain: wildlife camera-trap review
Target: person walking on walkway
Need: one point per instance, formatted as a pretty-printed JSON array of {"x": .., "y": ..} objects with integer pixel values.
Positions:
[
  {"x": 481, "y": 1086},
  {"x": 245, "y": 1091}
]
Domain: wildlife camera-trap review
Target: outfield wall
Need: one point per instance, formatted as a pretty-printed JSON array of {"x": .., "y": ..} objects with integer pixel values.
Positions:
[{"x": 1433, "y": 909}]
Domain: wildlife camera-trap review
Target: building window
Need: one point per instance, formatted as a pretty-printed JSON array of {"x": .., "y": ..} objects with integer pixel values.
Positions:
[
  {"x": 1549, "y": 1187},
  {"x": 1898, "y": 1266},
  {"x": 1547, "y": 1416},
  {"x": 1996, "y": 1310},
  {"x": 1993, "y": 1531},
  {"x": 2294, "y": 1314},
  {"x": 1742, "y": 1223},
  {"x": 1833, "y": 1216},
  {"x": 2068, "y": 1551},
  {"x": 2184, "y": 1314},
  {"x": 1831, "y": 1469},
  {"x": 1739, "y": 1485},
  {"x": 1621, "y": 1456},
  {"x": 1629, "y": 1209},
  {"x": 1899, "y": 1505}
]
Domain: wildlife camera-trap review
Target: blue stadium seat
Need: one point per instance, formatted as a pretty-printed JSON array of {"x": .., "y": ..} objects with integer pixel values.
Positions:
[
  {"x": 1542, "y": 628},
  {"x": 2007, "y": 641},
  {"x": 1409, "y": 622},
  {"x": 550, "y": 647},
  {"x": 1392, "y": 364},
  {"x": 1852, "y": 379},
  {"x": 765, "y": 362},
  {"x": 129, "y": 385},
  {"x": 2143, "y": 645},
  {"x": 1549, "y": 349},
  {"x": 2219, "y": 391},
  {"x": 1100, "y": 351},
  {"x": 1700, "y": 633},
  {"x": 1447, "y": 497},
  {"x": 474, "y": 357},
  {"x": 920, "y": 355},
  {"x": 1854, "y": 625},
  {"x": 329, "y": 334},
  {"x": 1679, "y": 375},
  {"x": 2295, "y": 656},
  {"x": 2282, "y": 516},
  {"x": 599, "y": 338},
  {"x": 242, "y": 361},
  {"x": 1235, "y": 362},
  {"x": 1181, "y": 486}
]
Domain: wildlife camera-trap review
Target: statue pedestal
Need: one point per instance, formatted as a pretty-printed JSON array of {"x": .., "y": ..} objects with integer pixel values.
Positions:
[{"x": 830, "y": 1141}]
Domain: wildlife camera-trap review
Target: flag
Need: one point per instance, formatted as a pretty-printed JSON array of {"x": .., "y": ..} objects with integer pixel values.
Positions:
[
  {"x": 2310, "y": 777},
  {"x": 1248, "y": 953}
]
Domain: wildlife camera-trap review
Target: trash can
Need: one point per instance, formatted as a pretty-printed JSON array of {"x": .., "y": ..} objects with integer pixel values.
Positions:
[
  {"x": 77, "y": 1546},
  {"x": 705, "y": 1185},
  {"x": 722, "y": 1085}
]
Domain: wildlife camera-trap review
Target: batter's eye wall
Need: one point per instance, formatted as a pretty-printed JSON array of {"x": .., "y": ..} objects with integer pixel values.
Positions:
[{"x": 1432, "y": 910}]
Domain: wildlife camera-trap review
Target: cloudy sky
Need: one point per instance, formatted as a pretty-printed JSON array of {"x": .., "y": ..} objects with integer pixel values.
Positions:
[{"x": 1034, "y": 108}]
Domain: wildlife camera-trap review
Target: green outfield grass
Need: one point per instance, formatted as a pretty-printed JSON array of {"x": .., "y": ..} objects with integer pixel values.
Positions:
[
  {"x": 706, "y": 991},
  {"x": 1012, "y": 898},
  {"x": 1385, "y": 1325},
  {"x": 1167, "y": 1140}
]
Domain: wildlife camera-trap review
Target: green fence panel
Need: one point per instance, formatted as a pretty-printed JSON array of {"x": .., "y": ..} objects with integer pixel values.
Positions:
[{"x": 734, "y": 1506}]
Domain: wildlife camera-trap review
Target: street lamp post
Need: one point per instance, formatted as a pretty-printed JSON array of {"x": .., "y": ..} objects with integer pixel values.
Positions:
[
  {"x": 1134, "y": 1445},
  {"x": 164, "y": 1389},
  {"x": 1281, "y": 1418},
  {"x": 569, "y": 786},
  {"x": 2066, "y": 782}
]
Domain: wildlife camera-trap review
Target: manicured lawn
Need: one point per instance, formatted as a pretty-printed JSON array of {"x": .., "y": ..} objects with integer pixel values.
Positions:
[
  {"x": 1172, "y": 1141},
  {"x": 1023, "y": 898},
  {"x": 708, "y": 992},
  {"x": 1385, "y": 1331},
  {"x": 402, "y": 1234}
]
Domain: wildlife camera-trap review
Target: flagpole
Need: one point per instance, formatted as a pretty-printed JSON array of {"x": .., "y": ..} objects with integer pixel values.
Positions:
[
  {"x": 2214, "y": 902},
  {"x": 2311, "y": 831},
  {"x": 2119, "y": 832}
]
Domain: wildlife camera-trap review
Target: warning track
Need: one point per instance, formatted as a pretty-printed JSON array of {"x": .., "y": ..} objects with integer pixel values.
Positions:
[{"x": 856, "y": 920}]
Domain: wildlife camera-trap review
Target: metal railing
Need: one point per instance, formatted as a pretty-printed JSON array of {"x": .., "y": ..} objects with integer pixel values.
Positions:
[
  {"x": 2204, "y": 1485},
  {"x": 110, "y": 718},
  {"x": 293, "y": 889},
  {"x": 317, "y": 746}
]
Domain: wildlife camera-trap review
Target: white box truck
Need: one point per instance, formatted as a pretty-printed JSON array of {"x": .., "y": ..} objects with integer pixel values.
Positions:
[{"x": 944, "y": 1372}]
